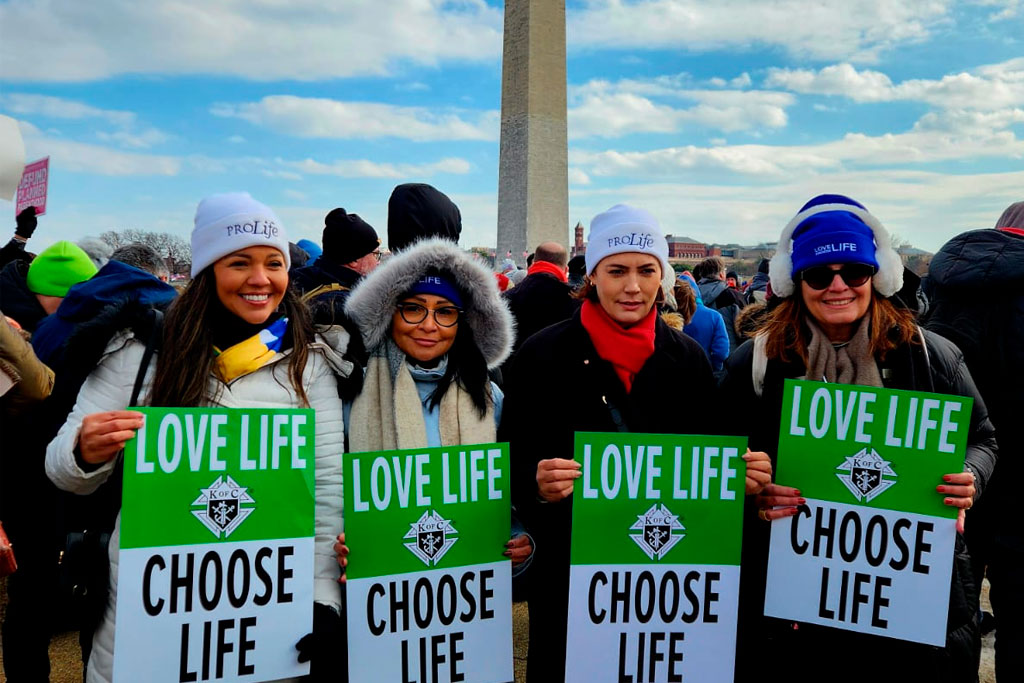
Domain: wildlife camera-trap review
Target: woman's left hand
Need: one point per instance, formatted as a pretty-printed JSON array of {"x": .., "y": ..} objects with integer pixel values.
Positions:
[
  {"x": 759, "y": 471},
  {"x": 959, "y": 492},
  {"x": 518, "y": 549},
  {"x": 342, "y": 551}
]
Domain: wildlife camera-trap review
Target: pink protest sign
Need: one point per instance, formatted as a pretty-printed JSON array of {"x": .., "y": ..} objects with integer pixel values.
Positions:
[{"x": 32, "y": 189}]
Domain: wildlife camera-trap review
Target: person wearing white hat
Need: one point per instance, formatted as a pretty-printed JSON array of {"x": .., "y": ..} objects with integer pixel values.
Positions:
[
  {"x": 618, "y": 360},
  {"x": 236, "y": 337}
]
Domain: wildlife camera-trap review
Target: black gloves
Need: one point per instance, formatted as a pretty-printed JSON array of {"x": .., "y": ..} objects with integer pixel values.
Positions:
[
  {"x": 26, "y": 221},
  {"x": 325, "y": 648}
]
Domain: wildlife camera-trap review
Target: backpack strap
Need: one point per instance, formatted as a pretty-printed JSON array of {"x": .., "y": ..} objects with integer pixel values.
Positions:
[
  {"x": 759, "y": 367},
  {"x": 155, "y": 333},
  {"x": 323, "y": 289}
]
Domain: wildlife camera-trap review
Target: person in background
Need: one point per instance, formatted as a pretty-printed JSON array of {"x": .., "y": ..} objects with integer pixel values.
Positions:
[
  {"x": 419, "y": 211},
  {"x": 543, "y": 297},
  {"x": 707, "y": 327},
  {"x": 351, "y": 252},
  {"x": 616, "y": 360},
  {"x": 757, "y": 291},
  {"x": 838, "y": 321},
  {"x": 977, "y": 302},
  {"x": 250, "y": 343},
  {"x": 577, "y": 272},
  {"x": 98, "y": 250},
  {"x": 718, "y": 295},
  {"x": 312, "y": 248}
]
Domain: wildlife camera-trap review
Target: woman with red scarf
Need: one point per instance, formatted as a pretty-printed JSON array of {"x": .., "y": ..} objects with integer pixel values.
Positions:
[{"x": 614, "y": 366}]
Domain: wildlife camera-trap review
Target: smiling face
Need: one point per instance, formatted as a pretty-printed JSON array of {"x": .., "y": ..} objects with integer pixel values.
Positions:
[
  {"x": 251, "y": 282},
  {"x": 426, "y": 340},
  {"x": 838, "y": 307},
  {"x": 627, "y": 286}
]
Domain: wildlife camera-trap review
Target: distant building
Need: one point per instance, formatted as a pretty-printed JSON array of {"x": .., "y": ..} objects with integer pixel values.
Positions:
[
  {"x": 685, "y": 247},
  {"x": 579, "y": 247}
]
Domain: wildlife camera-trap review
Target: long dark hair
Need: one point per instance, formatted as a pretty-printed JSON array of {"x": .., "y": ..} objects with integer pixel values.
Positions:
[{"x": 186, "y": 359}]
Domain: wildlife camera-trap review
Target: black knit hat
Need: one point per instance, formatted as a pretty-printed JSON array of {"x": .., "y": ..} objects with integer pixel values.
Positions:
[
  {"x": 418, "y": 211},
  {"x": 347, "y": 237}
]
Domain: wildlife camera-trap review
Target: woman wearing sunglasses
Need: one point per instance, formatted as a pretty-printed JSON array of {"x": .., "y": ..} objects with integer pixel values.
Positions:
[
  {"x": 836, "y": 319},
  {"x": 433, "y": 324}
]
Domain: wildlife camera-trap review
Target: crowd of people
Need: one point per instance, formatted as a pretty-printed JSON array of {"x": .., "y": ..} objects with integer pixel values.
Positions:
[{"x": 431, "y": 347}]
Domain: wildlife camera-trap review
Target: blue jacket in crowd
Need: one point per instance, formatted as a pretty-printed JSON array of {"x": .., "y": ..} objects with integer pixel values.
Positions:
[{"x": 707, "y": 327}]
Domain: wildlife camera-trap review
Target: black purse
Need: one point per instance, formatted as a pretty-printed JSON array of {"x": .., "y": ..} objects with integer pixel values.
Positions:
[{"x": 83, "y": 573}]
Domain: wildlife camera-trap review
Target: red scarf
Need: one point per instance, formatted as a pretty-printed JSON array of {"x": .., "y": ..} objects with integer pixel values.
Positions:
[
  {"x": 1015, "y": 231},
  {"x": 626, "y": 348},
  {"x": 549, "y": 268}
]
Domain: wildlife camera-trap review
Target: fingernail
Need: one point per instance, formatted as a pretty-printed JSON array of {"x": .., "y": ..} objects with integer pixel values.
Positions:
[
  {"x": 947, "y": 477},
  {"x": 578, "y": 475},
  {"x": 796, "y": 492},
  {"x": 801, "y": 501},
  {"x": 747, "y": 456},
  {"x": 940, "y": 489},
  {"x": 948, "y": 501},
  {"x": 507, "y": 553}
]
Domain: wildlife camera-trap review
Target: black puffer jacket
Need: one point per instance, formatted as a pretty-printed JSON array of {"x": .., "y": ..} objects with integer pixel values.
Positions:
[
  {"x": 558, "y": 385},
  {"x": 826, "y": 652},
  {"x": 16, "y": 300},
  {"x": 539, "y": 300},
  {"x": 977, "y": 299}
]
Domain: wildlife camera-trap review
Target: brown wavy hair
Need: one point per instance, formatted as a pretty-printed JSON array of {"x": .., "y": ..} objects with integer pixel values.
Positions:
[
  {"x": 186, "y": 359},
  {"x": 789, "y": 336}
]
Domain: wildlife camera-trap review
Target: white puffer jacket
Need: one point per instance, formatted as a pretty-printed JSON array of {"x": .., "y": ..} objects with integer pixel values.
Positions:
[{"x": 109, "y": 387}]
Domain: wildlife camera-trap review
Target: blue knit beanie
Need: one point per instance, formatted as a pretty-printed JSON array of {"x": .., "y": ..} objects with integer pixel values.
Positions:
[
  {"x": 832, "y": 228},
  {"x": 438, "y": 285},
  {"x": 832, "y": 236}
]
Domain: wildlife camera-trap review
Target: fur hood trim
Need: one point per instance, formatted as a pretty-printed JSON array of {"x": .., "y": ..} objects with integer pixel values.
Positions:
[{"x": 372, "y": 302}]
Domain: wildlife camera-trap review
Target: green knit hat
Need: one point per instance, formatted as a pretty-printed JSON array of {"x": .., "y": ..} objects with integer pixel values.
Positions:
[{"x": 57, "y": 268}]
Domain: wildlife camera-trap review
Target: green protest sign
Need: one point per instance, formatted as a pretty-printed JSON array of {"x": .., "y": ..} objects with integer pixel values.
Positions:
[
  {"x": 655, "y": 552},
  {"x": 216, "y": 545},
  {"x": 429, "y": 591},
  {"x": 871, "y": 551}
]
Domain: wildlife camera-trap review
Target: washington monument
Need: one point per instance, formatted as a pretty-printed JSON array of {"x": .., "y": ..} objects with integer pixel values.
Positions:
[{"x": 533, "y": 182}]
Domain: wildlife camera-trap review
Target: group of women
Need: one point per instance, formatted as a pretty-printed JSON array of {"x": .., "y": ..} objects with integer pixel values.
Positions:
[{"x": 435, "y": 327}]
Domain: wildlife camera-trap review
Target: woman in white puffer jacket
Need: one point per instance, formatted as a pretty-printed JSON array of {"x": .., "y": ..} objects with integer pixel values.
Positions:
[{"x": 236, "y": 338}]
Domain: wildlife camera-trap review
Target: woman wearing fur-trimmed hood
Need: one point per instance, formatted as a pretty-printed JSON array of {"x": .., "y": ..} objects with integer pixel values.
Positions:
[{"x": 433, "y": 323}]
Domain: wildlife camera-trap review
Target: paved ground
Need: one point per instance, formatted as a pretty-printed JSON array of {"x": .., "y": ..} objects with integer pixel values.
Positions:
[{"x": 65, "y": 654}]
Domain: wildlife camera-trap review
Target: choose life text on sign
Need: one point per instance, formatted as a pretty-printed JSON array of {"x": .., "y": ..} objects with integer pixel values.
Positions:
[
  {"x": 872, "y": 550},
  {"x": 654, "y": 581},
  {"x": 32, "y": 188},
  {"x": 215, "y": 571},
  {"x": 429, "y": 591}
]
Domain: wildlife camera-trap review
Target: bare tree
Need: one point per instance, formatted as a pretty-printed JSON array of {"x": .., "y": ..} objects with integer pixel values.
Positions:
[{"x": 173, "y": 249}]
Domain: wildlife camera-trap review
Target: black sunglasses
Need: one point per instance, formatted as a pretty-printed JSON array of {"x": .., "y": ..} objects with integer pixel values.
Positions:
[{"x": 853, "y": 274}]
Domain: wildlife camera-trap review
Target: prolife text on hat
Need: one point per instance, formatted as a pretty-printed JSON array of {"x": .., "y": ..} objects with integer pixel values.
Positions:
[
  {"x": 226, "y": 223},
  {"x": 624, "y": 229}
]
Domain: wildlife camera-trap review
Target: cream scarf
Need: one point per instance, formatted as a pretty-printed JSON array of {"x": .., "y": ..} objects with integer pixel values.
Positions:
[
  {"x": 852, "y": 363},
  {"x": 388, "y": 414}
]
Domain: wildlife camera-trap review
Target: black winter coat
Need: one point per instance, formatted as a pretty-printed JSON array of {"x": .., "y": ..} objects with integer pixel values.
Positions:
[
  {"x": 556, "y": 386},
  {"x": 16, "y": 300},
  {"x": 825, "y": 652},
  {"x": 977, "y": 302},
  {"x": 538, "y": 301},
  {"x": 327, "y": 306}
]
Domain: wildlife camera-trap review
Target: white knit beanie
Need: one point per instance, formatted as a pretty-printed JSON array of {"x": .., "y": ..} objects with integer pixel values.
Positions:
[
  {"x": 624, "y": 229},
  {"x": 229, "y": 222}
]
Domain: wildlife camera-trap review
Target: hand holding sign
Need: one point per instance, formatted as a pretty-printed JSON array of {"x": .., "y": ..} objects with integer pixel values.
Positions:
[
  {"x": 759, "y": 471},
  {"x": 555, "y": 477},
  {"x": 777, "y": 502},
  {"x": 960, "y": 494},
  {"x": 103, "y": 435},
  {"x": 342, "y": 552},
  {"x": 518, "y": 549}
]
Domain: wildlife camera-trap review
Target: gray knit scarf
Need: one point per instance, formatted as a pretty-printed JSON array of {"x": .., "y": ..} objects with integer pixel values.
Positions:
[{"x": 851, "y": 363}]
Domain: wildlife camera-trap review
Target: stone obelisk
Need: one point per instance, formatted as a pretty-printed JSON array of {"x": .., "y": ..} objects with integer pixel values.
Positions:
[{"x": 533, "y": 180}]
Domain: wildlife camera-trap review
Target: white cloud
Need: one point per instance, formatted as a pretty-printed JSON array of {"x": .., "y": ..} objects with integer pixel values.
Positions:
[
  {"x": 858, "y": 30},
  {"x": 46, "y": 106},
  {"x": 993, "y": 86},
  {"x": 296, "y": 195},
  {"x": 142, "y": 140},
  {"x": 578, "y": 177},
  {"x": 324, "y": 118},
  {"x": 266, "y": 40},
  {"x": 87, "y": 158},
  {"x": 362, "y": 168},
  {"x": 957, "y": 135},
  {"x": 601, "y": 108}
]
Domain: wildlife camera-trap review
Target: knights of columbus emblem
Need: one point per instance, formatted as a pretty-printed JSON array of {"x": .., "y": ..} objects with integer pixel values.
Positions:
[
  {"x": 431, "y": 537},
  {"x": 658, "y": 529},
  {"x": 863, "y": 474},
  {"x": 222, "y": 510}
]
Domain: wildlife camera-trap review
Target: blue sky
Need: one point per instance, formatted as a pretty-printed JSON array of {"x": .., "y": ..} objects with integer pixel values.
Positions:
[{"x": 720, "y": 117}]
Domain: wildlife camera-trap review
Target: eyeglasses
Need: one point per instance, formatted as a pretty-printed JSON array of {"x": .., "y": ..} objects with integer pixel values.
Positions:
[
  {"x": 376, "y": 255},
  {"x": 853, "y": 274},
  {"x": 414, "y": 314}
]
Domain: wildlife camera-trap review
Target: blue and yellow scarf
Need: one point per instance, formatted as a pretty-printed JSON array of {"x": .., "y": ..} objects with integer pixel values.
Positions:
[{"x": 251, "y": 354}]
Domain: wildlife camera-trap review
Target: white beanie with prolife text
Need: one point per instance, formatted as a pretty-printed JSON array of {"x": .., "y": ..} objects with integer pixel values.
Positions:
[
  {"x": 624, "y": 229},
  {"x": 226, "y": 223}
]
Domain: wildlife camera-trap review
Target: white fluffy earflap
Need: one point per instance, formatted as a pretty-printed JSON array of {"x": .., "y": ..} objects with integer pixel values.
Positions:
[{"x": 887, "y": 281}]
